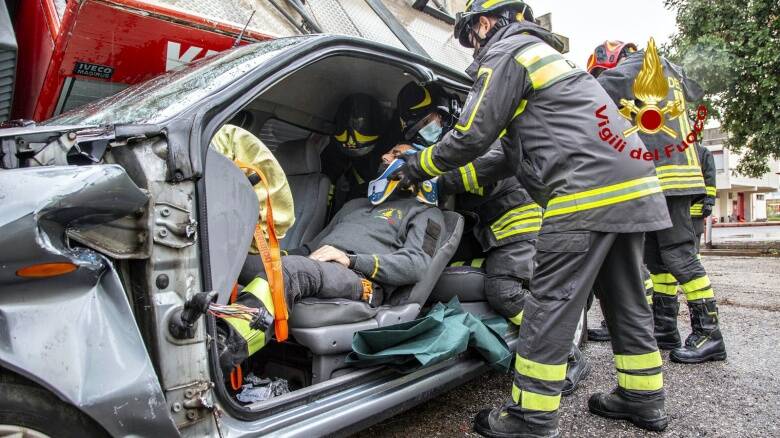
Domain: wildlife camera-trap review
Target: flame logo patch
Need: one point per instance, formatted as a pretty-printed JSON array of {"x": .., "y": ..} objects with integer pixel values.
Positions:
[{"x": 651, "y": 87}]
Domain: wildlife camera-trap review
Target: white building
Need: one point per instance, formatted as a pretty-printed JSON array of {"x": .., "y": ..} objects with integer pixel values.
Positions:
[{"x": 739, "y": 198}]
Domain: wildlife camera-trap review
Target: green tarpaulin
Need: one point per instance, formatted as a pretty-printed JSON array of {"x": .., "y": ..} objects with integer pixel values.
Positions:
[{"x": 446, "y": 331}]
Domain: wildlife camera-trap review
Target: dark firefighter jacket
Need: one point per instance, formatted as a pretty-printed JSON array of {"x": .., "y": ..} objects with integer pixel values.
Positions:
[
  {"x": 679, "y": 172},
  {"x": 506, "y": 211},
  {"x": 549, "y": 112},
  {"x": 393, "y": 243},
  {"x": 708, "y": 169}
]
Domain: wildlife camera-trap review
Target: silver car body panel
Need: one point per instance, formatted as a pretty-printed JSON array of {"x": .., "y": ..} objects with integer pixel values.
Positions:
[{"x": 75, "y": 334}]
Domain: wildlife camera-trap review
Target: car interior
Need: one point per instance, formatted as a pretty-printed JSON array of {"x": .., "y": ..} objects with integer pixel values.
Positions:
[{"x": 295, "y": 119}]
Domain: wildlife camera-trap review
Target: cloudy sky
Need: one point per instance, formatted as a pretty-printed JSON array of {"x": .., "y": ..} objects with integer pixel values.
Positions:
[{"x": 588, "y": 23}]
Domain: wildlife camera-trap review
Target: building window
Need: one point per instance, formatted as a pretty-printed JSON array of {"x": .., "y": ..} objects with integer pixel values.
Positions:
[{"x": 759, "y": 197}]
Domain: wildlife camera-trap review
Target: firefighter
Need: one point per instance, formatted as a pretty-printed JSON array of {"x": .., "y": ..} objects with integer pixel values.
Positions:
[
  {"x": 353, "y": 155},
  {"x": 701, "y": 210},
  {"x": 598, "y": 203},
  {"x": 639, "y": 82},
  {"x": 508, "y": 220},
  {"x": 364, "y": 254}
]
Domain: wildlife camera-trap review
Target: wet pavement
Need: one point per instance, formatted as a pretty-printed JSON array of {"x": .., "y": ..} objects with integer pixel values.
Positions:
[{"x": 736, "y": 398}]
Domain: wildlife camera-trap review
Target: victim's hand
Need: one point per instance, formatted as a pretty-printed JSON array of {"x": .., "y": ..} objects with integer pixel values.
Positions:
[{"x": 328, "y": 253}]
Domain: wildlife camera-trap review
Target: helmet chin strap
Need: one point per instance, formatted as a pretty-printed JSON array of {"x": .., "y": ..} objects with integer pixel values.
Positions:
[{"x": 506, "y": 18}]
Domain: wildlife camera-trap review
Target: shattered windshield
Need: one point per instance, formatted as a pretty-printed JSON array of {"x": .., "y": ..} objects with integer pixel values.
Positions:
[{"x": 164, "y": 96}]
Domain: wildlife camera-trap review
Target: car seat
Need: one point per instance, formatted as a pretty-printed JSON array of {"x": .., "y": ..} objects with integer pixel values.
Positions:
[{"x": 326, "y": 326}]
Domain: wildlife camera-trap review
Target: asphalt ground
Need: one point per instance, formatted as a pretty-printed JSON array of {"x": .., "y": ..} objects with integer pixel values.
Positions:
[{"x": 739, "y": 397}]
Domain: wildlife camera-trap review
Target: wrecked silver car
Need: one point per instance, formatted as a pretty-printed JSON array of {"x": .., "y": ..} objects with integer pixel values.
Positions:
[{"x": 115, "y": 215}]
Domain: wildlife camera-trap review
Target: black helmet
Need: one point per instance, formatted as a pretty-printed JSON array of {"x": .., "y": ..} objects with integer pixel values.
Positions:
[
  {"x": 506, "y": 10},
  {"x": 358, "y": 124},
  {"x": 416, "y": 102}
]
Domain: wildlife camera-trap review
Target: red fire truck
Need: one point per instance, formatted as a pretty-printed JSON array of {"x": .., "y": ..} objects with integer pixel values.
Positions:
[{"x": 71, "y": 52}]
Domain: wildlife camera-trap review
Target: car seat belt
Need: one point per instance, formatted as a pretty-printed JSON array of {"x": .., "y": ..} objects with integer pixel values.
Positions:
[{"x": 271, "y": 257}]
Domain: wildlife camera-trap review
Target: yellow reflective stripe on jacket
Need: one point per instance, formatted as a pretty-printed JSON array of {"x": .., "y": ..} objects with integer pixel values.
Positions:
[
  {"x": 524, "y": 219},
  {"x": 457, "y": 264},
  {"x": 469, "y": 176},
  {"x": 426, "y": 162},
  {"x": 376, "y": 266},
  {"x": 680, "y": 176},
  {"x": 520, "y": 227},
  {"x": 477, "y": 263},
  {"x": 696, "y": 210},
  {"x": 603, "y": 196},
  {"x": 532, "y": 208},
  {"x": 488, "y": 72},
  {"x": 255, "y": 339},
  {"x": 633, "y": 362},
  {"x": 517, "y": 319},
  {"x": 711, "y": 191},
  {"x": 544, "y": 64},
  {"x": 632, "y": 382},
  {"x": 541, "y": 371}
]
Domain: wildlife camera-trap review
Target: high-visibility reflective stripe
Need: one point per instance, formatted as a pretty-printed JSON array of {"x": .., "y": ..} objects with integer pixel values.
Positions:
[
  {"x": 457, "y": 264},
  {"x": 488, "y": 72},
  {"x": 672, "y": 168},
  {"x": 469, "y": 176},
  {"x": 700, "y": 295},
  {"x": 520, "y": 227},
  {"x": 509, "y": 215},
  {"x": 520, "y": 108},
  {"x": 477, "y": 263},
  {"x": 541, "y": 371},
  {"x": 632, "y": 382},
  {"x": 666, "y": 289},
  {"x": 426, "y": 162},
  {"x": 665, "y": 277},
  {"x": 515, "y": 394},
  {"x": 255, "y": 339},
  {"x": 603, "y": 196},
  {"x": 649, "y": 298},
  {"x": 544, "y": 64},
  {"x": 517, "y": 319},
  {"x": 376, "y": 266},
  {"x": 514, "y": 220},
  {"x": 682, "y": 183},
  {"x": 648, "y": 283},
  {"x": 710, "y": 191},
  {"x": 539, "y": 402},
  {"x": 638, "y": 361},
  {"x": 696, "y": 284}
]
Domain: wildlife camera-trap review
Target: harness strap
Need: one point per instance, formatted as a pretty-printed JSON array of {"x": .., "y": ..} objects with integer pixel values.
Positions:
[{"x": 271, "y": 257}]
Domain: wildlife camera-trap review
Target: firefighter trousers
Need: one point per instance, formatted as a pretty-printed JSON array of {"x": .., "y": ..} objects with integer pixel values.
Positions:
[
  {"x": 672, "y": 255},
  {"x": 508, "y": 269},
  {"x": 567, "y": 266}
]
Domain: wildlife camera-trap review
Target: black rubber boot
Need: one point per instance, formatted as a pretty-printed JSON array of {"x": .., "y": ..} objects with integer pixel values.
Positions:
[
  {"x": 665, "y": 309},
  {"x": 498, "y": 423},
  {"x": 620, "y": 405},
  {"x": 576, "y": 371},
  {"x": 705, "y": 343},
  {"x": 600, "y": 334}
]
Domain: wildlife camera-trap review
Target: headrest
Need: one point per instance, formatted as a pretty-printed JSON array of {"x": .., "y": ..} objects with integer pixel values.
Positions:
[{"x": 301, "y": 157}]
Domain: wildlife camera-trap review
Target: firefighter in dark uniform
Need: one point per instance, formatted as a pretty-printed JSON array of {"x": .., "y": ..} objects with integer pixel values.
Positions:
[
  {"x": 598, "y": 203},
  {"x": 355, "y": 152},
  {"x": 508, "y": 220},
  {"x": 702, "y": 209},
  {"x": 640, "y": 83}
]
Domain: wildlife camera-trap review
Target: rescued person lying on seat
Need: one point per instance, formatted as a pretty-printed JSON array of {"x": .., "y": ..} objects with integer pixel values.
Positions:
[{"x": 365, "y": 253}]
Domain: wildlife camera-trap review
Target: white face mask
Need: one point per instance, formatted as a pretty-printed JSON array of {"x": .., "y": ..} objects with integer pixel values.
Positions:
[{"x": 431, "y": 132}]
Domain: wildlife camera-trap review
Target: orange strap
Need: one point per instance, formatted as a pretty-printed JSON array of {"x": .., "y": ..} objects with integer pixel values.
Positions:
[
  {"x": 272, "y": 258},
  {"x": 236, "y": 378}
]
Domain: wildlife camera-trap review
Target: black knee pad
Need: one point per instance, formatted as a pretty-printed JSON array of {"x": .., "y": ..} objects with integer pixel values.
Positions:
[{"x": 506, "y": 295}]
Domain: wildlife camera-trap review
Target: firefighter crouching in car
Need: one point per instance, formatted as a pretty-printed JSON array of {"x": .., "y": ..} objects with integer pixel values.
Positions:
[
  {"x": 508, "y": 219},
  {"x": 642, "y": 81},
  {"x": 355, "y": 151},
  {"x": 364, "y": 254},
  {"x": 598, "y": 203}
]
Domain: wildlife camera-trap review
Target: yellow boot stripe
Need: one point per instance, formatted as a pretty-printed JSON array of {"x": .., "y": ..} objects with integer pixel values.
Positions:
[
  {"x": 638, "y": 361},
  {"x": 539, "y": 402},
  {"x": 541, "y": 371},
  {"x": 517, "y": 319},
  {"x": 696, "y": 284},
  {"x": 663, "y": 278},
  {"x": 648, "y": 284},
  {"x": 649, "y": 298},
  {"x": 666, "y": 289},
  {"x": 515, "y": 394},
  {"x": 700, "y": 295},
  {"x": 632, "y": 382}
]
